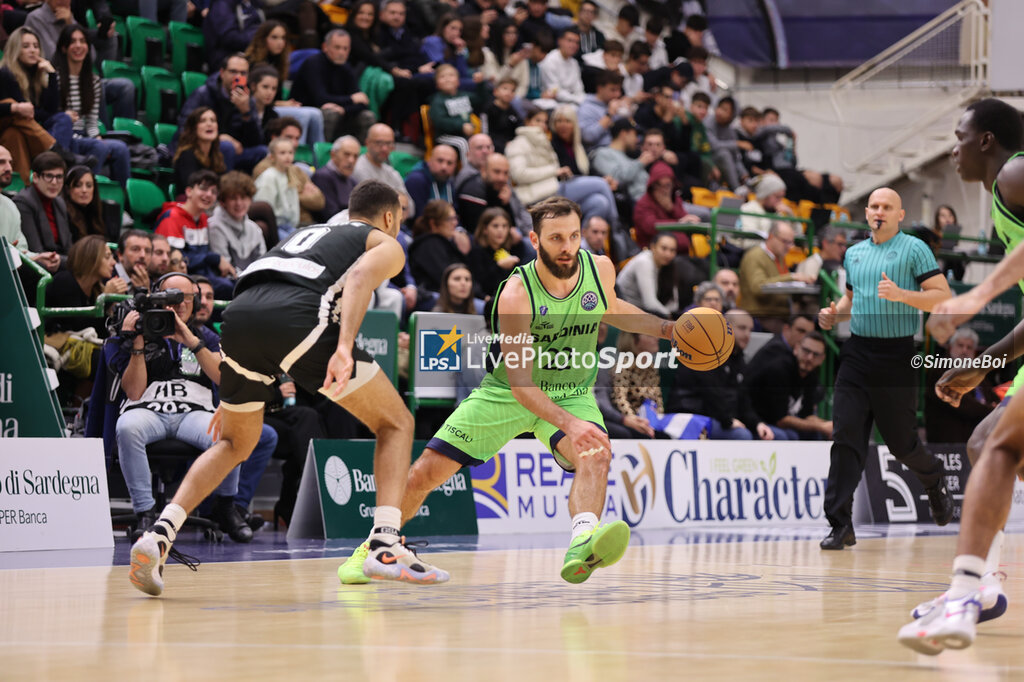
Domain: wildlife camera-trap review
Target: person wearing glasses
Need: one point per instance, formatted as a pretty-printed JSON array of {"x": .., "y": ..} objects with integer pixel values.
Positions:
[
  {"x": 44, "y": 215},
  {"x": 763, "y": 264},
  {"x": 785, "y": 391},
  {"x": 889, "y": 278}
]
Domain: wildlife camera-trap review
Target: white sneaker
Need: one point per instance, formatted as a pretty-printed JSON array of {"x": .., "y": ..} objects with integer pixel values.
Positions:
[
  {"x": 391, "y": 558},
  {"x": 993, "y": 599},
  {"x": 149, "y": 554},
  {"x": 951, "y": 625}
]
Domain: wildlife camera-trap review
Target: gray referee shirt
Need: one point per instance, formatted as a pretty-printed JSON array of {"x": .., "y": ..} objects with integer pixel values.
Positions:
[{"x": 908, "y": 262}]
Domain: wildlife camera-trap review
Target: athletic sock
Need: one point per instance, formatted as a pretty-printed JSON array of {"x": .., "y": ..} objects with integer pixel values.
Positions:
[
  {"x": 583, "y": 522},
  {"x": 387, "y": 521},
  {"x": 994, "y": 552},
  {"x": 967, "y": 572},
  {"x": 172, "y": 518}
]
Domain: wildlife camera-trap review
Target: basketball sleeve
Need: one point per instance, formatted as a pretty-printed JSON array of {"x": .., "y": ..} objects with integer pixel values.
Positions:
[{"x": 924, "y": 264}]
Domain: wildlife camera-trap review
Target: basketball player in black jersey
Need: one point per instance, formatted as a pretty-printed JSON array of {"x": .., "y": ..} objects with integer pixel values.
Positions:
[{"x": 297, "y": 310}]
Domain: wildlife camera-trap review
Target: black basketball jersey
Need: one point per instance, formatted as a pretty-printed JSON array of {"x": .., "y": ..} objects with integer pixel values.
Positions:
[{"x": 315, "y": 258}]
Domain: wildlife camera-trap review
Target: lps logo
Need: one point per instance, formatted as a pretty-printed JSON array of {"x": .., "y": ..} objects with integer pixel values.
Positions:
[
  {"x": 640, "y": 484},
  {"x": 337, "y": 481},
  {"x": 440, "y": 351}
]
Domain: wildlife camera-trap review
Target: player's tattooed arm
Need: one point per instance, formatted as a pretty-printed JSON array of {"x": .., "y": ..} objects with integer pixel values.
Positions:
[{"x": 623, "y": 314}]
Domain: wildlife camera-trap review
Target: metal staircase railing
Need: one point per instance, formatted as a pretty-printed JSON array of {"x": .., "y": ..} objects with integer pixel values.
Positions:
[{"x": 946, "y": 62}]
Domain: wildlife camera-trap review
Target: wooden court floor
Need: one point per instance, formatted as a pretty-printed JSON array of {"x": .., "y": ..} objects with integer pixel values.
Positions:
[{"x": 755, "y": 609}]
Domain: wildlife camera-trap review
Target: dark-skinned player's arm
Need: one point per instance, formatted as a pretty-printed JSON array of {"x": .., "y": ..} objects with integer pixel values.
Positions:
[
  {"x": 514, "y": 316},
  {"x": 383, "y": 259},
  {"x": 949, "y": 315},
  {"x": 956, "y": 383},
  {"x": 625, "y": 315}
]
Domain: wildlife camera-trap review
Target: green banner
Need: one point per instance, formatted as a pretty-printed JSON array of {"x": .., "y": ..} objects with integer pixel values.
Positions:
[
  {"x": 347, "y": 491},
  {"x": 378, "y": 336},
  {"x": 997, "y": 318},
  {"x": 28, "y": 405}
]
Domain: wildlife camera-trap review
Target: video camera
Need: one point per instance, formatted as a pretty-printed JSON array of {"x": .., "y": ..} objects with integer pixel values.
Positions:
[{"x": 155, "y": 321}]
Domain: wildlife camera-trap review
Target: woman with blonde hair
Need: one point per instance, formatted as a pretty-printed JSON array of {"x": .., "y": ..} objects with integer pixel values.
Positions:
[
  {"x": 270, "y": 46},
  {"x": 31, "y": 121}
]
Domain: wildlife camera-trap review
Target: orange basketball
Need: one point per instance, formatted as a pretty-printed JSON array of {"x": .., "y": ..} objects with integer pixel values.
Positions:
[{"x": 704, "y": 339}]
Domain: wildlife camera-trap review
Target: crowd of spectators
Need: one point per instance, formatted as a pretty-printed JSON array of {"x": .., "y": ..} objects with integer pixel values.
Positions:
[{"x": 506, "y": 103}]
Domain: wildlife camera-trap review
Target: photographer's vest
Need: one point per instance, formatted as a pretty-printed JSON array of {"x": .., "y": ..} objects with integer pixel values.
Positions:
[{"x": 185, "y": 389}]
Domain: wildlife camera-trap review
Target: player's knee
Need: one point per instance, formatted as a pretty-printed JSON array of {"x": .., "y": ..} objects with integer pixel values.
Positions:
[
  {"x": 1006, "y": 443},
  {"x": 400, "y": 421},
  {"x": 813, "y": 177},
  {"x": 597, "y": 462}
]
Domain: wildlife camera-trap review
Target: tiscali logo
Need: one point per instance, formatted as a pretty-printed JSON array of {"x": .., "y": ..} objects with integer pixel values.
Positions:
[
  {"x": 337, "y": 480},
  {"x": 641, "y": 490}
]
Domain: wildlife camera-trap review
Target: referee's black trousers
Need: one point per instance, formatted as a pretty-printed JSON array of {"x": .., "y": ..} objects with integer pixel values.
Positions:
[{"x": 875, "y": 382}]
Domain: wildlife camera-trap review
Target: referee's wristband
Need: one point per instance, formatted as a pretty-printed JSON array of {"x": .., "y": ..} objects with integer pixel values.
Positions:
[{"x": 198, "y": 347}]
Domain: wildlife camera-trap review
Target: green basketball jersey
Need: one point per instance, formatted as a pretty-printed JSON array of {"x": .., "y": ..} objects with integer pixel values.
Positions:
[
  {"x": 564, "y": 332},
  {"x": 1009, "y": 227}
]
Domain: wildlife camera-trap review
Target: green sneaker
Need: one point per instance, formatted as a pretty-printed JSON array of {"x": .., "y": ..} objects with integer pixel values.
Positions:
[
  {"x": 351, "y": 572},
  {"x": 598, "y": 548}
]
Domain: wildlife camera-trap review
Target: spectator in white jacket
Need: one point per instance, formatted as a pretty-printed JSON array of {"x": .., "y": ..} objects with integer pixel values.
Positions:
[
  {"x": 273, "y": 187},
  {"x": 560, "y": 72}
]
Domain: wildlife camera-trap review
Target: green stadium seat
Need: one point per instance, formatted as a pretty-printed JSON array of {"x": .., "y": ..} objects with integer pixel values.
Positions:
[
  {"x": 136, "y": 128},
  {"x": 185, "y": 38},
  {"x": 144, "y": 202},
  {"x": 164, "y": 132},
  {"x": 110, "y": 191},
  {"x": 304, "y": 154},
  {"x": 191, "y": 80},
  {"x": 142, "y": 32},
  {"x": 322, "y": 151},
  {"x": 114, "y": 69},
  {"x": 158, "y": 108}
]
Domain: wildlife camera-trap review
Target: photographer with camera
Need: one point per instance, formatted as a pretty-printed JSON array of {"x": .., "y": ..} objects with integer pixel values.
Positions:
[{"x": 169, "y": 372}]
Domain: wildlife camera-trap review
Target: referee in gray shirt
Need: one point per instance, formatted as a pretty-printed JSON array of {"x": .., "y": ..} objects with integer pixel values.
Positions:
[{"x": 888, "y": 279}]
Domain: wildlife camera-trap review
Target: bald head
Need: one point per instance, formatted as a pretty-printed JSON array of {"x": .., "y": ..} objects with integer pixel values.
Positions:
[
  {"x": 480, "y": 145},
  {"x": 442, "y": 162},
  {"x": 742, "y": 324},
  {"x": 380, "y": 142},
  {"x": 884, "y": 213},
  {"x": 495, "y": 171}
]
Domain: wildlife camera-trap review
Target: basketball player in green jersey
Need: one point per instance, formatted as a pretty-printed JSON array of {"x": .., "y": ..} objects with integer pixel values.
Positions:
[
  {"x": 989, "y": 136},
  {"x": 558, "y": 300}
]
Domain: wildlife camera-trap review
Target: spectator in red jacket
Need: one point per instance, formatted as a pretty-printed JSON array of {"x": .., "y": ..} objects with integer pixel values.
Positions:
[
  {"x": 661, "y": 203},
  {"x": 186, "y": 229}
]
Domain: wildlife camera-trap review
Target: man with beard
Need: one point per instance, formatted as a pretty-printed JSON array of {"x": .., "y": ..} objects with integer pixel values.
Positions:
[
  {"x": 433, "y": 179},
  {"x": 558, "y": 300},
  {"x": 134, "y": 253},
  {"x": 160, "y": 260}
]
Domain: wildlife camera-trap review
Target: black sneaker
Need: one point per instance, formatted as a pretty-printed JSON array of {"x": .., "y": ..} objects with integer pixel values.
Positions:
[
  {"x": 254, "y": 521},
  {"x": 225, "y": 513},
  {"x": 941, "y": 503}
]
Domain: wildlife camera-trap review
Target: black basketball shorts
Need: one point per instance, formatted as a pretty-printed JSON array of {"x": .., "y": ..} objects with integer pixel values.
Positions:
[{"x": 274, "y": 329}]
